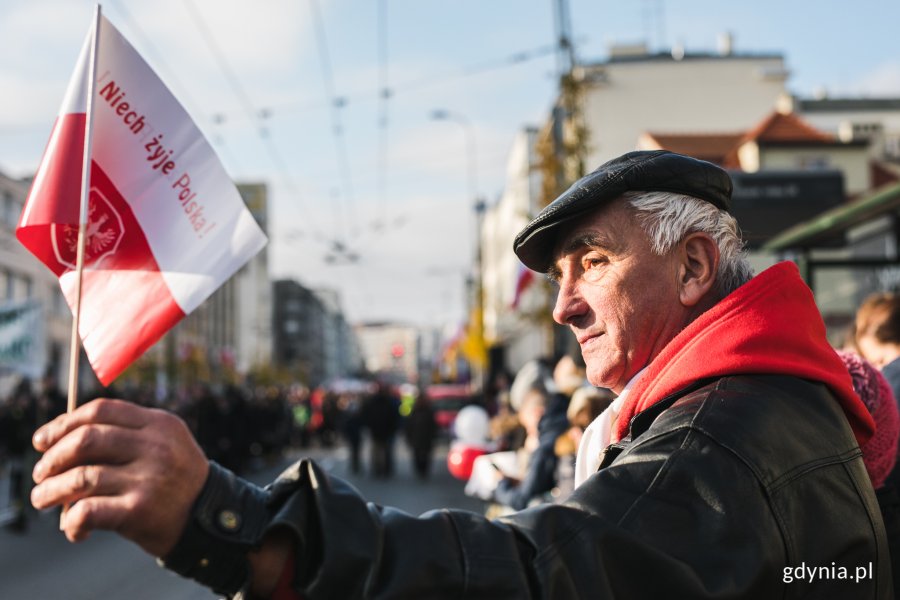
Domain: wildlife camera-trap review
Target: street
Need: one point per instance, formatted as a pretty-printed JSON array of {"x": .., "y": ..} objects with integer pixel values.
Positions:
[{"x": 41, "y": 564}]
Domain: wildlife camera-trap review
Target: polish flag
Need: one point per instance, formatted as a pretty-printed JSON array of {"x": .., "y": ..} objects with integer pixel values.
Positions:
[
  {"x": 166, "y": 226},
  {"x": 523, "y": 280}
]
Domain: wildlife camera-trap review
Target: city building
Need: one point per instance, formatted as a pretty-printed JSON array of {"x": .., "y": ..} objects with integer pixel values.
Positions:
[
  {"x": 784, "y": 170},
  {"x": 298, "y": 319},
  {"x": 391, "y": 350},
  {"x": 850, "y": 251},
  {"x": 312, "y": 340},
  {"x": 342, "y": 356},
  {"x": 876, "y": 120},
  {"x": 254, "y": 309},
  {"x": 634, "y": 91},
  {"x": 516, "y": 311},
  {"x": 25, "y": 280}
]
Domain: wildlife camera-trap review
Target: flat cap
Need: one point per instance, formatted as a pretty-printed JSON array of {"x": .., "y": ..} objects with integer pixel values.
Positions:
[{"x": 643, "y": 170}]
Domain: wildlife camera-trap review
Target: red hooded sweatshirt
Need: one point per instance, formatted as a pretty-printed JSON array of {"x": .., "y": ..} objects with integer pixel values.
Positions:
[{"x": 770, "y": 325}]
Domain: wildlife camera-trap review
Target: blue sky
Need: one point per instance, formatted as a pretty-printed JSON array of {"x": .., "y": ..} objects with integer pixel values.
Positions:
[{"x": 396, "y": 195}]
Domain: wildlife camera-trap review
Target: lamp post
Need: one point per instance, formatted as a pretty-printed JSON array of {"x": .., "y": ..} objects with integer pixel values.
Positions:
[
  {"x": 479, "y": 207},
  {"x": 441, "y": 114}
]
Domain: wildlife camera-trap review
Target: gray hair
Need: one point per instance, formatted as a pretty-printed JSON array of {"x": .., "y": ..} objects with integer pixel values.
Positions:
[{"x": 667, "y": 217}]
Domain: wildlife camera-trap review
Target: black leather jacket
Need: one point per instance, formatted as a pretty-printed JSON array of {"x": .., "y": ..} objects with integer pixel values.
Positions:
[{"x": 741, "y": 487}]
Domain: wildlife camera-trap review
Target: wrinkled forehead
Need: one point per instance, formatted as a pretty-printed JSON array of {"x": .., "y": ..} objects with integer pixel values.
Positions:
[{"x": 612, "y": 229}]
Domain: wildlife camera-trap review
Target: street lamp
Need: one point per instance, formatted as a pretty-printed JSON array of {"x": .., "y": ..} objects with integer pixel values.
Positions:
[
  {"x": 441, "y": 114},
  {"x": 478, "y": 206}
]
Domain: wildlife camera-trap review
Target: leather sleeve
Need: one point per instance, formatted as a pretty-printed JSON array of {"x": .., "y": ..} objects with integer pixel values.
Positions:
[{"x": 634, "y": 530}]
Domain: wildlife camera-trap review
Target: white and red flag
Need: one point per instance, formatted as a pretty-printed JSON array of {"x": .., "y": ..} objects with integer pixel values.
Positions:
[
  {"x": 524, "y": 278},
  {"x": 165, "y": 224}
]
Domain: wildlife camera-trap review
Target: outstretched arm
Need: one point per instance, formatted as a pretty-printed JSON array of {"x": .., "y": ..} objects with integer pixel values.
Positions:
[
  {"x": 139, "y": 472},
  {"x": 135, "y": 471}
]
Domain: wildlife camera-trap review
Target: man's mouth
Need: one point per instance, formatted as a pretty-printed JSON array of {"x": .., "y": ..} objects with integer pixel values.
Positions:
[{"x": 587, "y": 337}]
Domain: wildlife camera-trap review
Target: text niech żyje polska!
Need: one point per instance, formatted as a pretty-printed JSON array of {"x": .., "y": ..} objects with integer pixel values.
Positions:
[{"x": 159, "y": 157}]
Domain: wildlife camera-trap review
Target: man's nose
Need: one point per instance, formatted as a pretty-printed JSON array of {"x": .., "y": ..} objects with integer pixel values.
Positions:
[{"x": 569, "y": 303}]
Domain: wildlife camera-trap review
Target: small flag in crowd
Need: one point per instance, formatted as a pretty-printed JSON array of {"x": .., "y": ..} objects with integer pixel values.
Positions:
[
  {"x": 524, "y": 279},
  {"x": 165, "y": 224}
]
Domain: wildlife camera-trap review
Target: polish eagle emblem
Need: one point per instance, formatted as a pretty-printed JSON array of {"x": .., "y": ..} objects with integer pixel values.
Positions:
[{"x": 103, "y": 233}]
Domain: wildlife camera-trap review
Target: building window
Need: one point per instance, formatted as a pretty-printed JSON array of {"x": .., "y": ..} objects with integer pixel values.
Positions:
[
  {"x": 8, "y": 209},
  {"x": 11, "y": 209},
  {"x": 866, "y": 130},
  {"x": 60, "y": 307},
  {"x": 892, "y": 146},
  {"x": 813, "y": 163}
]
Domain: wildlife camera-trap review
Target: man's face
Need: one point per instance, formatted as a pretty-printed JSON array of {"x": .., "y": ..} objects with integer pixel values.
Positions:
[{"x": 619, "y": 298}]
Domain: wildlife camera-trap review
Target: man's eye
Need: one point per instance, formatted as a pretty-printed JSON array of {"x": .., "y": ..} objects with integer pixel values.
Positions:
[{"x": 593, "y": 268}]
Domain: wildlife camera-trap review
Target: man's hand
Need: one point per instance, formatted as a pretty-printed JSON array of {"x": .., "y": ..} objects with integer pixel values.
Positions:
[{"x": 132, "y": 470}]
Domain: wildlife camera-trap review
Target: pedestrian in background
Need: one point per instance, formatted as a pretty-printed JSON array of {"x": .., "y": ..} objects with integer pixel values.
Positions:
[
  {"x": 880, "y": 452},
  {"x": 538, "y": 462},
  {"x": 877, "y": 338},
  {"x": 587, "y": 403},
  {"x": 421, "y": 432},
  {"x": 351, "y": 421},
  {"x": 878, "y": 334},
  {"x": 381, "y": 417},
  {"x": 17, "y": 416},
  {"x": 543, "y": 415}
]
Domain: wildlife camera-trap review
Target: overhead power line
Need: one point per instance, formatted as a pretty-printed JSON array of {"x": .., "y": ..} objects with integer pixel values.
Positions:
[
  {"x": 384, "y": 96},
  {"x": 172, "y": 75},
  {"x": 251, "y": 112},
  {"x": 511, "y": 60},
  {"x": 337, "y": 130}
]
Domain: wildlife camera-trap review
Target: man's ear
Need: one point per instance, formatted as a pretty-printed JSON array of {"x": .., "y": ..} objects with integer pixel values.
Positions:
[{"x": 697, "y": 267}]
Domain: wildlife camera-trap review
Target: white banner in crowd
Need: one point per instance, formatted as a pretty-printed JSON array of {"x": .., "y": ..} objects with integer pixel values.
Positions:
[{"x": 22, "y": 346}]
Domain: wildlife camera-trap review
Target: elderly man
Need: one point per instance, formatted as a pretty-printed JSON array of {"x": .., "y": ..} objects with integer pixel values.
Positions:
[{"x": 729, "y": 466}]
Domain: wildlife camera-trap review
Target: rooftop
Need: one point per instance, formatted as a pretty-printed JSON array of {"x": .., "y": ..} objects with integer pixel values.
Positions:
[
  {"x": 811, "y": 105},
  {"x": 713, "y": 147}
]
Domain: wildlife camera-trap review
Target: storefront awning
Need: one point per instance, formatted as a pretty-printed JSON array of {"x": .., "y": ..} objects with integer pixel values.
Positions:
[{"x": 835, "y": 222}]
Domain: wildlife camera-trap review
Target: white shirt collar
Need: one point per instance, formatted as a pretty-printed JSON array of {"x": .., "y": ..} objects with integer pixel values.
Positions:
[{"x": 598, "y": 435}]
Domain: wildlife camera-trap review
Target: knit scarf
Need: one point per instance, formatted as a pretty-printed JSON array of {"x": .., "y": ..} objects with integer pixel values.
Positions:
[{"x": 770, "y": 325}]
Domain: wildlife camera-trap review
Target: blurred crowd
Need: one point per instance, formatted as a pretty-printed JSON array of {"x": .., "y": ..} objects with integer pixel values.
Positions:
[
  {"x": 524, "y": 454},
  {"x": 242, "y": 427}
]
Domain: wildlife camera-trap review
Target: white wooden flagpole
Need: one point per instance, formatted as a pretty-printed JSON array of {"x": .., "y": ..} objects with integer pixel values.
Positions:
[{"x": 75, "y": 347}]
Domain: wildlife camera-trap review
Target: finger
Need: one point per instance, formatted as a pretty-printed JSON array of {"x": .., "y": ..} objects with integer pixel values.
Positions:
[
  {"x": 113, "y": 513},
  {"x": 97, "y": 512},
  {"x": 110, "y": 412},
  {"x": 89, "y": 444},
  {"x": 77, "y": 484}
]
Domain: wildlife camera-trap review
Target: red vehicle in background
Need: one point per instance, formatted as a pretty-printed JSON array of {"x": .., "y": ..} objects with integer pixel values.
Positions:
[{"x": 447, "y": 400}]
